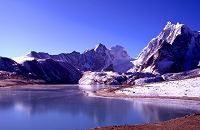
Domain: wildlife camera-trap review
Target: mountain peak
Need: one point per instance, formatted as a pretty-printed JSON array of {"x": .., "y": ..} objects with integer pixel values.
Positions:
[
  {"x": 171, "y": 31},
  {"x": 100, "y": 47},
  {"x": 119, "y": 52},
  {"x": 171, "y": 26},
  {"x": 169, "y": 23},
  {"x": 117, "y": 47},
  {"x": 175, "y": 49},
  {"x": 31, "y": 54},
  {"x": 39, "y": 55}
]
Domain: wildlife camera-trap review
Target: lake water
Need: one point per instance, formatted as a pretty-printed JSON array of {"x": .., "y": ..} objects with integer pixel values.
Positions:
[{"x": 63, "y": 107}]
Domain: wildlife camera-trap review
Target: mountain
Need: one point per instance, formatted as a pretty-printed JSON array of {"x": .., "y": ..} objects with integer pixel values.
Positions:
[
  {"x": 66, "y": 67},
  {"x": 12, "y": 73},
  {"x": 175, "y": 49},
  {"x": 121, "y": 59},
  {"x": 52, "y": 71},
  {"x": 97, "y": 59},
  {"x": 7, "y": 64},
  {"x": 47, "y": 69}
]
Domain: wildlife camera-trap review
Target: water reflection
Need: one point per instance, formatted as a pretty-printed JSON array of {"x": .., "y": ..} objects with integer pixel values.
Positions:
[
  {"x": 72, "y": 102},
  {"x": 67, "y": 108},
  {"x": 154, "y": 110}
]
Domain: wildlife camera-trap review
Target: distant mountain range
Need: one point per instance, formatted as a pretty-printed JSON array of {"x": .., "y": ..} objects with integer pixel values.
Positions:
[
  {"x": 175, "y": 49},
  {"x": 97, "y": 59}
]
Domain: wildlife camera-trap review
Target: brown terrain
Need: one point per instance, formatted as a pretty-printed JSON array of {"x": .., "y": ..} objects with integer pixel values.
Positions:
[
  {"x": 191, "y": 122},
  {"x": 8, "y": 79}
]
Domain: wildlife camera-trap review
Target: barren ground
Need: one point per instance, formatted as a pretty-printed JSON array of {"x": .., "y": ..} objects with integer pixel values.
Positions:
[{"x": 13, "y": 79}]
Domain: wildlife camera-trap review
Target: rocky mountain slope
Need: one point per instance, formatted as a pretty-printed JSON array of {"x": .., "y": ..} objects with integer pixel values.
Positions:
[
  {"x": 12, "y": 73},
  {"x": 47, "y": 69},
  {"x": 175, "y": 49},
  {"x": 7, "y": 64},
  {"x": 52, "y": 71}
]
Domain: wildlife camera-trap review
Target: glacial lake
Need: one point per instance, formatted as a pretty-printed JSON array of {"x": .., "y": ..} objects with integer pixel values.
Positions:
[{"x": 65, "y": 107}]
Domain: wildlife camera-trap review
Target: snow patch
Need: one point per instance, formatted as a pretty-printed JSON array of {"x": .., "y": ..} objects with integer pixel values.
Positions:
[
  {"x": 86, "y": 51},
  {"x": 22, "y": 59},
  {"x": 29, "y": 54},
  {"x": 90, "y": 78}
]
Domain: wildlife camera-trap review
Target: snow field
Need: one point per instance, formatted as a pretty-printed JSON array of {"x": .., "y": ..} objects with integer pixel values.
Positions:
[{"x": 179, "y": 88}]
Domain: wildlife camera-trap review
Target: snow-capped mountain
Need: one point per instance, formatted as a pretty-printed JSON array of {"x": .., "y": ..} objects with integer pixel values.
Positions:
[
  {"x": 121, "y": 59},
  {"x": 97, "y": 59},
  {"x": 175, "y": 49}
]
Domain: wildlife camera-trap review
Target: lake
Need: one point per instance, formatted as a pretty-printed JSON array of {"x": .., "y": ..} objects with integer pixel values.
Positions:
[{"x": 65, "y": 107}]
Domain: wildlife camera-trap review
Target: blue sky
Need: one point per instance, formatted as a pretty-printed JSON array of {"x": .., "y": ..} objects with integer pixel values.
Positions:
[{"x": 62, "y": 26}]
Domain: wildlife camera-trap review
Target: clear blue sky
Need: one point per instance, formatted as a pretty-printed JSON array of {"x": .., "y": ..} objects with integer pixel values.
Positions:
[{"x": 62, "y": 26}]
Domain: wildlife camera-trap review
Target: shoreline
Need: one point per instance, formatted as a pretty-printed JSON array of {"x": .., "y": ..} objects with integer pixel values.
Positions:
[
  {"x": 110, "y": 93},
  {"x": 183, "y": 123}
]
